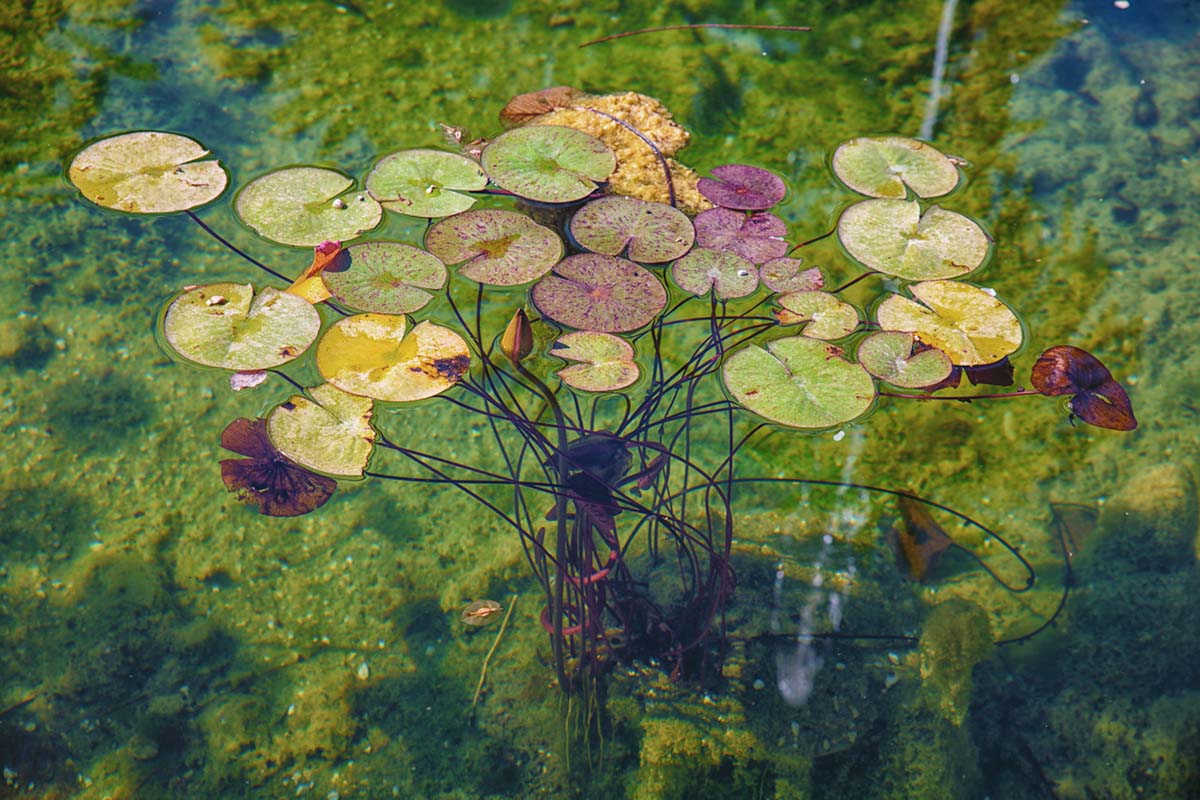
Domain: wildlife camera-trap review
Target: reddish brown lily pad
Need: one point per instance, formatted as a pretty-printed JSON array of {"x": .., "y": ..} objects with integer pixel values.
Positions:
[
  {"x": 652, "y": 232},
  {"x": 600, "y": 293},
  {"x": 742, "y": 187},
  {"x": 1097, "y": 398},
  {"x": 265, "y": 478}
]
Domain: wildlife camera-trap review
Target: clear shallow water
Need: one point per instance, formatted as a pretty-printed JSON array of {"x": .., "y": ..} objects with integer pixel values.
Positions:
[{"x": 160, "y": 639}]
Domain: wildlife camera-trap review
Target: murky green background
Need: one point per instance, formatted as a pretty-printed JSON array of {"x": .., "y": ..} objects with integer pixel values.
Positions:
[{"x": 157, "y": 639}]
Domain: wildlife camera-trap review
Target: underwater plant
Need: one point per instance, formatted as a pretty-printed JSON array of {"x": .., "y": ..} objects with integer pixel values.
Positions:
[{"x": 618, "y": 351}]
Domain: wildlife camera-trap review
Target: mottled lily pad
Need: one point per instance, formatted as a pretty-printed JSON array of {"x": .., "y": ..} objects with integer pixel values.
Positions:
[
  {"x": 147, "y": 172},
  {"x": 893, "y": 237},
  {"x": 727, "y": 274},
  {"x": 494, "y": 246},
  {"x": 799, "y": 382},
  {"x": 742, "y": 187},
  {"x": 758, "y": 238},
  {"x": 652, "y": 232},
  {"x": 888, "y": 166},
  {"x": 265, "y": 478},
  {"x": 375, "y": 356},
  {"x": 889, "y": 356},
  {"x": 1096, "y": 397},
  {"x": 606, "y": 361},
  {"x": 329, "y": 431},
  {"x": 600, "y": 293},
  {"x": 385, "y": 277},
  {"x": 425, "y": 183},
  {"x": 226, "y": 325},
  {"x": 548, "y": 163},
  {"x": 788, "y": 275},
  {"x": 304, "y": 206},
  {"x": 967, "y": 323},
  {"x": 825, "y": 315}
]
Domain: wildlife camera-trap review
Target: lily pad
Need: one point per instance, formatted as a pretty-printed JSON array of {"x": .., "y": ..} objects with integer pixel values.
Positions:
[
  {"x": 548, "y": 163},
  {"x": 653, "y": 232},
  {"x": 265, "y": 478},
  {"x": 888, "y": 166},
  {"x": 329, "y": 431},
  {"x": 226, "y": 325},
  {"x": 373, "y": 355},
  {"x": 727, "y": 274},
  {"x": 893, "y": 237},
  {"x": 425, "y": 183},
  {"x": 967, "y": 323},
  {"x": 385, "y": 277},
  {"x": 825, "y": 315},
  {"x": 147, "y": 172},
  {"x": 600, "y": 293},
  {"x": 742, "y": 187},
  {"x": 799, "y": 382},
  {"x": 788, "y": 275},
  {"x": 889, "y": 356},
  {"x": 1096, "y": 397},
  {"x": 304, "y": 206},
  {"x": 758, "y": 238},
  {"x": 606, "y": 361},
  {"x": 495, "y": 247}
]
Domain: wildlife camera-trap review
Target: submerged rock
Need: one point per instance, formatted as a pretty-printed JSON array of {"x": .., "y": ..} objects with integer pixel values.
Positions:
[{"x": 1150, "y": 525}]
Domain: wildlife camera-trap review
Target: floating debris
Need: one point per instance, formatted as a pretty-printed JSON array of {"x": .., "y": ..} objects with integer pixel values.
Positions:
[{"x": 481, "y": 612}]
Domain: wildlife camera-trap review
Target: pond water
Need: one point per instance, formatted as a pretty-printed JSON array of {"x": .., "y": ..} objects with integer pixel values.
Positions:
[{"x": 159, "y": 638}]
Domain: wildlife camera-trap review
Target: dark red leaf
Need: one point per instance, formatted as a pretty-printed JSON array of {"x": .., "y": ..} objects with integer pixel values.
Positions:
[
  {"x": 266, "y": 479},
  {"x": 1098, "y": 399},
  {"x": 997, "y": 374},
  {"x": 525, "y": 107}
]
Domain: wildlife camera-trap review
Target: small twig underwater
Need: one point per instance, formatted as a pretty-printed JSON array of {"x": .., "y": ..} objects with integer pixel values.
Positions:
[
  {"x": 692, "y": 27},
  {"x": 486, "y": 659}
]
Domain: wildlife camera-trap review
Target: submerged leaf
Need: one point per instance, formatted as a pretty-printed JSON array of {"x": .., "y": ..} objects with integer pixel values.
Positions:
[
  {"x": 883, "y": 166},
  {"x": 727, "y": 274},
  {"x": 265, "y": 478},
  {"x": 310, "y": 285},
  {"x": 1097, "y": 398},
  {"x": 304, "y": 206},
  {"x": 385, "y": 277},
  {"x": 968, "y": 324},
  {"x": 893, "y": 237},
  {"x": 742, "y": 187},
  {"x": 600, "y": 293},
  {"x": 548, "y": 163},
  {"x": 918, "y": 542},
  {"x": 425, "y": 183},
  {"x": 329, "y": 431},
  {"x": 606, "y": 361},
  {"x": 525, "y": 107},
  {"x": 147, "y": 172},
  {"x": 652, "y": 232},
  {"x": 758, "y": 238},
  {"x": 495, "y": 246}
]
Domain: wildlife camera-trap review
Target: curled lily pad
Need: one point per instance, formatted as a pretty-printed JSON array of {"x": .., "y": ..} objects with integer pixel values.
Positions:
[
  {"x": 304, "y": 206},
  {"x": 147, "y": 172},
  {"x": 888, "y": 166},
  {"x": 329, "y": 431},
  {"x": 652, "y": 232},
  {"x": 742, "y": 187},
  {"x": 798, "y": 382},
  {"x": 495, "y": 246},
  {"x": 528, "y": 106},
  {"x": 1096, "y": 397},
  {"x": 385, "y": 277},
  {"x": 967, "y": 323},
  {"x": 758, "y": 238},
  {"x": 727, "y": 274},
  {"x": 425, "y": 183},
  {"x": 895, "y": 238},
  {"x": 825, "y": 315},
  {"x": 226, "y": 325},
  {"x": 606, "y": 361},
  {"x": 265, "y": 478},
  {"x": 787, "y": 275},
  {"x": 600, "y": 293},
  {"x": 548, "y": 163},
  {"x": 375, "y": 356},
  {"x": 896, "y": 357}
]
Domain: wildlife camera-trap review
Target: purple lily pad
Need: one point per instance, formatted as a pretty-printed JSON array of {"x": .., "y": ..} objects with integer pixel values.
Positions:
[
  {"x": 727, "y": 274},
  {"x": 384, "y": 277},
  {"x": 652, "y": 232},
  {"x": 755, "y": 237},
  {"x": 600, "y": 293},
  {"x": 786, "y": 275},
  {"x": 742, "y": 187},
  {"x": 494, "y": 246}
]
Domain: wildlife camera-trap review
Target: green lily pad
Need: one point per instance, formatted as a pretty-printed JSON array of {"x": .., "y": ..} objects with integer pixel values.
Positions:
[
  {"x": 593, "y": 292},
  {"x": 385, "y": 277},
  {"x": 494, "y": 246},
  {"x": 825, "y": 315},
  {"x": 798, "y": 382},
  {"x": 374, "y": 356},
  {"x": 425, "y": 183},
  {"x": 329, "y": 431},
  {"x": 967, "y": 323},
  {"x": 786, "y": 275},
  {"x": 653, "y": 232},
  {"x": 726, "y": 273},
  {"x": 606, "y": 361},
  {"x": 548, "y": 163},
  {"x": 226, "y": 325},
  {"x": 147, "y": 172},
  {"x": 889, "y": 356},
  {"x": 893, "y": 237},
  {"x": 304, "y": 206},
  {"x": 888, "y": 166}
]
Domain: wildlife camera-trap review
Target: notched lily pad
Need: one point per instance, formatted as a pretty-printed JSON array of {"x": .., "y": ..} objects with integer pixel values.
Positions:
[
  {"x": 425, "y": 183},
  {"x": 896, "y": 357},
  {"x": 147, "y": 172},
  {"x": 742, "y": 187},
  {"x": 758, "y": 238},
  {"x": 226, "y": 325},
  {"x": 968, "y": 324},
  {"x": 495, "y": 247},
  {"x": 727, "y": 274},
  {"x": 548, "y": 163},
  {"x": 652, "y": 232},
  {"x": 826, "y": 316},
  {"x": 1096, "y": 397},
  {"x": 328, "y": 431},
  {"x": 265, "y": 478},
  {"x": 600, "y": 293},
  {"x": 893, "y": 237},
  {"x": 373, "y": 355},
  {"x": 304, "y": 206},
  {"x": 798, "y": 382},
  {"x": 606, "y": 361},
  {"x": 888, "y": 166},
  {"x": 788, "y": 275},
  {"x": 385, "y": 277}
]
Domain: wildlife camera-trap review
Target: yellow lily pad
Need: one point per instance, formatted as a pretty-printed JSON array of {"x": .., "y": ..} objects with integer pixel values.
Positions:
[
  {"x": 147, "y": 172},
  {"x": 965, "y": 322}
]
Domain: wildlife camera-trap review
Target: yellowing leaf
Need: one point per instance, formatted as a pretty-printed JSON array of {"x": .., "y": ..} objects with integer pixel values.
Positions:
[
  {"x": 310, "y": 285},
  {"x": 967, "y": 323}
]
